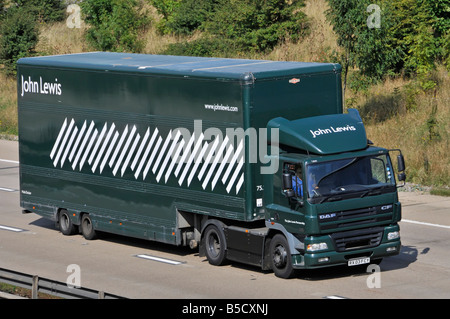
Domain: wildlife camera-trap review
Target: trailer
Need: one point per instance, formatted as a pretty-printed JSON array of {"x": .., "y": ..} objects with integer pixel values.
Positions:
[{"x": 247, "y": 160}]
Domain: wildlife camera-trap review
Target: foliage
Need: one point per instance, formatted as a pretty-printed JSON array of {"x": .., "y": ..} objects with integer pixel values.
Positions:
[
  {"x": 233, "y": 25},
  {"x": 190, "y": 15},
  {"x": 165, "y": 7},
  {"x": 19, "y": 37},
  {"x": 421, "y": 26},
  {"x": 44, "y": 10},
  {"x": 19, "y": 27},
  {"x": 412, "y": 36},
  {"x": 440, "y": 191},
  {"x": 439, "y": 11},
  {"x": 446, "y": 50},
  {"x": 2, "y": 8},
  {"x": 205, "y": 46},
  {"x": 258, "y": 24},
  {"x": 114, "y": 24},
  {"x": 183, "y": 17},
  {"x": 368, "y": 48}
]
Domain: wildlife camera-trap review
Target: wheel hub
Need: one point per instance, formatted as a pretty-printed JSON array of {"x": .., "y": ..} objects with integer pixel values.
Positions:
[
  {"x": 214, "y": 245},
  {"x": 280, "y": 256}
]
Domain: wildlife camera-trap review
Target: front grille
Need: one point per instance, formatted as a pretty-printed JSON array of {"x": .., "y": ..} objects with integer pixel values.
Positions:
[
  {"x": 355, "y": 217},
  {"x": 357, "y": 239}
]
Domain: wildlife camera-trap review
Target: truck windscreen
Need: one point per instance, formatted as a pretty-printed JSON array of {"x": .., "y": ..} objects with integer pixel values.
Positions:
[{"x": 349, "y": 178}]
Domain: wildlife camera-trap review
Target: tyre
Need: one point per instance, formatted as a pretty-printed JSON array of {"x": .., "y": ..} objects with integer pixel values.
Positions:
[
  {"x": 65, "y": 223},
  {"x": 87, "y": 228},
  {"x": 215, "y": 245},
  {"x": 280, "y": 257}
]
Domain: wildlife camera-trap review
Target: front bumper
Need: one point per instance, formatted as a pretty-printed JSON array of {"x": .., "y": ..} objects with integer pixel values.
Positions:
[{"x": 331, "y": 257}]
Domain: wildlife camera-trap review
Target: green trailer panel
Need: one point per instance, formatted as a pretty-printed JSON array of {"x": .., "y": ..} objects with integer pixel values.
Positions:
[{"x": 118, "y": 136}]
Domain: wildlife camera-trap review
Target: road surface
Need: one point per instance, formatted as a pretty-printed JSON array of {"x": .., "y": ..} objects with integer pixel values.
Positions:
[{"x": 140, "y": 269}]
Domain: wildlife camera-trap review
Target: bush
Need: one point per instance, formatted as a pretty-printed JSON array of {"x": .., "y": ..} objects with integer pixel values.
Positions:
[
  {"x": 19, "y": 37},
  {"x": 411, "y": 37},
  {"x": 44, "y": 10},
  {"x": 206, "y": 47},
  {"x": 233, "y": 26},
  {"x": 114, "y": 25},
  {"x": 183, "y": 17},
  {"x": 19, "y": 27},
  {"x": 258, "y": 25},
  {"x": 446, "y": 51},
  {"x": 371, "y": 49}
]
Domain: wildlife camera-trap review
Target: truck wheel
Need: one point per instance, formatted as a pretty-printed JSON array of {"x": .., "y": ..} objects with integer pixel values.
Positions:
[
  {"x": 65, "y": 223},
  {"x": 215, "y": 245},
  {"x": 280, "y": 257},
  {"x": 87, "y": 228}
]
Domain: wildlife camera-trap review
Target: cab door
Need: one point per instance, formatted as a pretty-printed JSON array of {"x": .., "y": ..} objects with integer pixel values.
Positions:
[{"x": 286, "y": 207}]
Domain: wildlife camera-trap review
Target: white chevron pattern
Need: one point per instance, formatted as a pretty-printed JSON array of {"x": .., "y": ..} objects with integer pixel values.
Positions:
[{"x": 162, "y": 156}]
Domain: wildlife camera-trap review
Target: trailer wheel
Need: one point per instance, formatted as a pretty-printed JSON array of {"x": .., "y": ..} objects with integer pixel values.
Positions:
[
  {"x": 280, "y": 257},
  {"x": 215, "y": 245},
  {"x": 87, "y": 228},
  {"x": 65, "y": 223}
]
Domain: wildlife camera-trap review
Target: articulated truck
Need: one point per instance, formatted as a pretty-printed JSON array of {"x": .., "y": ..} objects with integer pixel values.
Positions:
[{"x": 245, "y": 160}]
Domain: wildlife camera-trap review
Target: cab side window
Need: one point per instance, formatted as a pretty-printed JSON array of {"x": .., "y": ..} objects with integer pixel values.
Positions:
[
  {"x": 292, "y": 180},
  {"x": 297, "y": 182}
]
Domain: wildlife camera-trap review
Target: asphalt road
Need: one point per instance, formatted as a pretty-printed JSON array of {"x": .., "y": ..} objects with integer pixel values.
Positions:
[{"x": 31, "y": 244}]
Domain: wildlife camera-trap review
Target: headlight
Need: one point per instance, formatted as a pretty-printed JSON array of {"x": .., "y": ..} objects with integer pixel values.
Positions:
[
  {"x": 316, "y": 247},
  {"x": 393, "y": 235}
]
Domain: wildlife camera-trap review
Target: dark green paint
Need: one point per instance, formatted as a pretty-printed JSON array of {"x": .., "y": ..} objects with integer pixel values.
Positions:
[{"x": 170, "y": 92}]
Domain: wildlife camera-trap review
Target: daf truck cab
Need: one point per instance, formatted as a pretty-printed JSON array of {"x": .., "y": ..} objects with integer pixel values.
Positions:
[{"x": 336, "y": 195}]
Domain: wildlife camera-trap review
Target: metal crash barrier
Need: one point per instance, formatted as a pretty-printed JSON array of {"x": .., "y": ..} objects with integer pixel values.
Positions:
[{"x": 51, "y": 287}]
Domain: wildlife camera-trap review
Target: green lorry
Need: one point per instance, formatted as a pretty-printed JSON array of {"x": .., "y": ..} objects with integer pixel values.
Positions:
[{"x": 246, "y": 160}]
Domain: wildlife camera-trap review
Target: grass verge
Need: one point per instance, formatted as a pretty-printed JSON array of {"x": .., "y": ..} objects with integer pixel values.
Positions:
[
  {"x": 23, "y": 292},
  {"x": 440, "y": 191}
]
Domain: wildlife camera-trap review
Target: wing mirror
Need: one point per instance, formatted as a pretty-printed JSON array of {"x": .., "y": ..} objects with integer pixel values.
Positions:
[
  {"x": 287, "y": 185},
  {"x": 401, "y": 176}
]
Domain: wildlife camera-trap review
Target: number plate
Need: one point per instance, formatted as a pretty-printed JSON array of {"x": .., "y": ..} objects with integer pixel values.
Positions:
[{"x": 359, "y": 261}]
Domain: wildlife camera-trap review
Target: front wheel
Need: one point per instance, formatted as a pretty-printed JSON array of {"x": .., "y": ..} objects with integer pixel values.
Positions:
[
  {"x": 280, "y": 257},
  {"x": 215, "y": 245}
]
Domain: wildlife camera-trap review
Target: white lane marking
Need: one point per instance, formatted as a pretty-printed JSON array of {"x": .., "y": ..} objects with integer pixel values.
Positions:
[
  {"x": 159, "y": 259},
  {"x": 334, "y": 297},
  {"x": 17, "y": 230},
  {"x": 423, "y": 223},
  {"x": 8, "y": 161}
]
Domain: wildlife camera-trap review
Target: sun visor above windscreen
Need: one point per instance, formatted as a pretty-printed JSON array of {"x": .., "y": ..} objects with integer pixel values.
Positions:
[{"x": 326, "y": 134}]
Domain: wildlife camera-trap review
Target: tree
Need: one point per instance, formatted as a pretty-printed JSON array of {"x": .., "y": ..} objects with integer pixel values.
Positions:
[
  {"x": 114, "y": 24},
  {"x": 44, "y": 10},
  {"x": 365, "y": 46},
  {"x": 165, "y": 7},
  {"x": 183, "y": 17},
  {"x": 19, "y": 36},
  {"x": 410, "y": 38},
  {"x": 234, "y": 26},
  {"x": 420, "y": 31},
  {"x": 258, "y": 25},
  {"x": 19, "y": 27},
  {"x": 446, "y": 50}
]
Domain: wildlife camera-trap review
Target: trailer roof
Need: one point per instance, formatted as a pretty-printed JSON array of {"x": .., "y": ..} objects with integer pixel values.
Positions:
[{"x": 179, "y": 65}]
